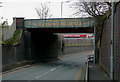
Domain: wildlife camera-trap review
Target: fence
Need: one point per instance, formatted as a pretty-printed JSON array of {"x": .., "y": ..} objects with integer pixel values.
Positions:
[{"x": 79, "y": 42}]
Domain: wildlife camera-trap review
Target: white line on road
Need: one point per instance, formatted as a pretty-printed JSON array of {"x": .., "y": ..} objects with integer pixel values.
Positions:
[
  {"x": 49, "y": 71},
  {"x": 42, "y": 74},
  {"x": 45, "y": 73},
  {"x": 52, "y": 69},
  {"x": 60, "y": 66},
  {"x": 39, "y": 76}
]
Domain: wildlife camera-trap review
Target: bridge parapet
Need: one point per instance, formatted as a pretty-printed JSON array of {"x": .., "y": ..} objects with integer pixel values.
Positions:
[{"x": 58, "y": 23}]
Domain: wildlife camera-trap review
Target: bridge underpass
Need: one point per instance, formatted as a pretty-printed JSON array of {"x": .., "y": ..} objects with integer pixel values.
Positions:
[
  {"x": 42, "y": 41},
  {"x": 45, "y": 44}
]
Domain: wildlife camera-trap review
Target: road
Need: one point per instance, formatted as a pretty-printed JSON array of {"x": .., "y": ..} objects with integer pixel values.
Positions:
[{"x": 69, "y": 67}]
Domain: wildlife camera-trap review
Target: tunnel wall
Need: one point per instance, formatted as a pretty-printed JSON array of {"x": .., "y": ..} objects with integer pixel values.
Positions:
[{"x": 42, "y": 46}]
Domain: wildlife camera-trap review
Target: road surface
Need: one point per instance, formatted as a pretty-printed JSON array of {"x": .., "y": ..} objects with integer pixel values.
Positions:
[{"x": 69, "y": 67}]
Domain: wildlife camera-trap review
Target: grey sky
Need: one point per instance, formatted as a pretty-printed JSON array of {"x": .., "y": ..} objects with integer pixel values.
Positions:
[{"x": 26, "y": 8}]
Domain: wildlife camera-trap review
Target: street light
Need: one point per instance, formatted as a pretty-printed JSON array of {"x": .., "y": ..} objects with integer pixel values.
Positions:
[{"x": 62, "y": 5}]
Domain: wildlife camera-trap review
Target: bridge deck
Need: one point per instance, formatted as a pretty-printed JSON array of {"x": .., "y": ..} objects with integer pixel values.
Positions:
[{"x": 59, "y": 23}]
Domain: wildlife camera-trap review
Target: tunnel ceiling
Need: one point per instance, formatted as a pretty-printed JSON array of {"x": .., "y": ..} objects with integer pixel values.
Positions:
[{"x": 62, "y": 30}]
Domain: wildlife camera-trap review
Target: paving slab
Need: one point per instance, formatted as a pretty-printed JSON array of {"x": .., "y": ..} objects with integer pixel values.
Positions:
[{"x": 96, "y": 73}]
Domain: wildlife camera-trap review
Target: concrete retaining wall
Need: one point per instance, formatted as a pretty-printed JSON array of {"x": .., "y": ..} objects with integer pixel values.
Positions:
[{"x": 11, "y": 55}]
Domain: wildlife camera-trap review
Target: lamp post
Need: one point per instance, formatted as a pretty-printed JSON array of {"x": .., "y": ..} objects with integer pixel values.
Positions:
[{"x": 62, "y": 6}]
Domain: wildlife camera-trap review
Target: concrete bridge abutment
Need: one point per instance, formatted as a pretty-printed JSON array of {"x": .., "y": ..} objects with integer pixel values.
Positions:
[{"x": 39, "y": 45}]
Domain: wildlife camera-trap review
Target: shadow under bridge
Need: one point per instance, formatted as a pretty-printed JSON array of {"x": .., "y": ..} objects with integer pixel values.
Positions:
[{"x": 42, "y": 40}]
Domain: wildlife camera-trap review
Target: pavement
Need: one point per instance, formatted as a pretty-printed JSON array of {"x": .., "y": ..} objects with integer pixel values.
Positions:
[{"x": 96, "y": 73}]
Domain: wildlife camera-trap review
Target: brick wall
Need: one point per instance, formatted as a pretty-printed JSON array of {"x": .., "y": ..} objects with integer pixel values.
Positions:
[
  {"x": 20, "y": 23},
  {"x": 117, "y": 43},
  {"x": 0, "y": 36},
  {"x": 104, "y": 55},
  {"x": 105, "y": 48}
]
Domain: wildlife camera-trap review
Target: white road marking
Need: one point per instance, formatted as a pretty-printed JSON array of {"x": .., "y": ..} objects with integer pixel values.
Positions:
[
  {"x": 45, "y": 73},
  {"x": 42, "y": 74},
  {"x": 52, "y": 69},
  {"x": 39, "y": 76},
  {"x": 49, "y": 71},
  {"x": 60, "y": 66}
]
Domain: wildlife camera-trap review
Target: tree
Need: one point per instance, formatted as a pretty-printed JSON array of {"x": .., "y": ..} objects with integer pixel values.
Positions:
[
  {"x": 5, "y": 24},
  {"x": 96, "y": 10},
  {"x": 91, "y": 9},
  {"x": 43, "y": 11}
]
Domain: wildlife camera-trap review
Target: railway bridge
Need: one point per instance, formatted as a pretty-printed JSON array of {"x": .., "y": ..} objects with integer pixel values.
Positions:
[{"x": 41, "y": 39}]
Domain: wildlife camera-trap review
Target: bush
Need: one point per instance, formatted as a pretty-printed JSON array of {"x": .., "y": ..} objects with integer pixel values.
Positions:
[{"x": 14, "y": 40}]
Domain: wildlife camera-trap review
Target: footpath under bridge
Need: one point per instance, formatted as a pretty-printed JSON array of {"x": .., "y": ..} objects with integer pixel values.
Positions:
[{"x": 42, "y": 43}]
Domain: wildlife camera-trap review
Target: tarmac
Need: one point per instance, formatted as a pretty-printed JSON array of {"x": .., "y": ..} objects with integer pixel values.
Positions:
[{"x": 96, "y": 73}]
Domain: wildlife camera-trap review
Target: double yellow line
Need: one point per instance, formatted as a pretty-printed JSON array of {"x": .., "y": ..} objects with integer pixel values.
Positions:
[
  {"x": 77, "y": 77},
  {"x": 12, "y": 72},
  {"x": 17, "y": 70}
]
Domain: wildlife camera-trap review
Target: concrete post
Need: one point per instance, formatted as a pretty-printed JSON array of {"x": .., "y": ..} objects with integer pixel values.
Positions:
[{"x": 20, "y": 23}]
